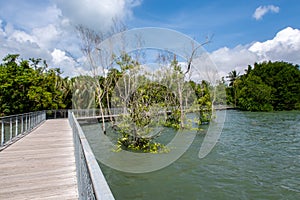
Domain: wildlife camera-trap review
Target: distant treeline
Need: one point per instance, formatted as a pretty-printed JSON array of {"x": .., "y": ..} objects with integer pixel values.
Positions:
[
  {"x": 268, "y": 86},
  {"x": 30, "y": 85}
]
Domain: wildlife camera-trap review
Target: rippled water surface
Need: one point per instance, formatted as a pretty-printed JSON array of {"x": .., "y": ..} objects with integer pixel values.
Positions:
[{"x": 257, "y": 157}]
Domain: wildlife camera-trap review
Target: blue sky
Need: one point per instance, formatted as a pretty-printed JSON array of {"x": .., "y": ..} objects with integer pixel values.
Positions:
[
  {"x": 243, "y": 32},
  {"x": 229, "y": 21}
]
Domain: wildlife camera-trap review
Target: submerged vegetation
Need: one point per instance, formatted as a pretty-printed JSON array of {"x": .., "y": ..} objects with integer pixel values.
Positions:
[{"x": 152, "y": 101}]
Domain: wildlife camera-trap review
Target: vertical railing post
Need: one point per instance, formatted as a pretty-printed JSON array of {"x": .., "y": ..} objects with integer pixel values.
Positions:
[
  {"x": 26, "y": 122},
  {"x": 10, "y": 128},
  {"x": 32, "y": 120},
  {"x": 16, "y": 133},
  {"x": 2, "y": 132},
  {"x": 35, "y": 119},
  {"x": 29, "y": 121},
  {"x": 22, "y": 124}
]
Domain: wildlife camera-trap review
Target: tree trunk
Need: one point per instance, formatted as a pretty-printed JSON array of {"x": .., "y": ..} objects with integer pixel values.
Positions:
[
  {"x": 108, "y": 107},
  {"x": 103, "y": 120},
  {"x": 181, "y": 105}
]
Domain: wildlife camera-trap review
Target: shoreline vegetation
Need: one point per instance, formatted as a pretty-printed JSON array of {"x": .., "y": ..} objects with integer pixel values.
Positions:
[
  {"x": 30, "y": 85},
  {"x": 267, "y": 86}
]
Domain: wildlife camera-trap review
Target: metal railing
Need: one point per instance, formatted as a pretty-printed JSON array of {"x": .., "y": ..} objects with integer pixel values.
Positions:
[
  {"x": 82, "y": 113},
  {"x": 97, "y": 112},
  {"x": 90, "y": 179},
  {"x": 56, "y": 114},
  {"x": 16, "y": 126}
]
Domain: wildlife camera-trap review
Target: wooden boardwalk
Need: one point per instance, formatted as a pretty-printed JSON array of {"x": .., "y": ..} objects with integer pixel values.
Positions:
[{"x": 41, "y": 165}]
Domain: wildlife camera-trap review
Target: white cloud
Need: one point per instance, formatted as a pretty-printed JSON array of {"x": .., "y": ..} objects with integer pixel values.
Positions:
[
  {"x": 46, "y": 36},
  {"x": 22, "y": 37},
  {"x": 262, "y": 10},
  {"x": 237, "y": 59},
  {"x": 64, "y": 62},
  {"x": 41, "y": 42},
  {"x": 285, "y": 46},
  {"x": 48, "y": 32},
  {"x": 97, "y": 14},
  {"x": 58, "y": 56}
]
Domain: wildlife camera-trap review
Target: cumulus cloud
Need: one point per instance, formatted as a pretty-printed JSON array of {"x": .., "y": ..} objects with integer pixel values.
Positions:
[
  {"x": 97, "y": 14},
  {"x": 237, "y": 59},
  {"x": 59, "y": 56},
  {"x": 262, "y": 10},
  {"x": 285, "y": 46},
  {"x": 46, "y": 36},
  {"x": 48, "y": 32},
  {"x": 40, "y": 42},
  {"x": 42, "y": 36},
  {"x": 64, "y": 62},
  {"x": 21, "y": 36}
]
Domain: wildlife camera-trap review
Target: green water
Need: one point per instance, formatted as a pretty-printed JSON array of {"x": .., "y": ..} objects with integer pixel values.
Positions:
[{"x": 257, "y": 157}]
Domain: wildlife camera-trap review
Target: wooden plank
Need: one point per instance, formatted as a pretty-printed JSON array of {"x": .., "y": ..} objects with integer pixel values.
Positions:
[
  {"x": 50, "y": 172},
  {"x": 41, "y": 165}
]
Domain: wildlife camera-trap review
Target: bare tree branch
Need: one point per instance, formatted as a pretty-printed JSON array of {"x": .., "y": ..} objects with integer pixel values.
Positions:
[{"x": 190, "y": 59}]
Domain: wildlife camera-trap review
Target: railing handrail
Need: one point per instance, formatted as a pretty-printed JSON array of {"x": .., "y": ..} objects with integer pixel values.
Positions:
[
  {"x": 99, "y": 188},
  {"x": 21, "y": 114}
]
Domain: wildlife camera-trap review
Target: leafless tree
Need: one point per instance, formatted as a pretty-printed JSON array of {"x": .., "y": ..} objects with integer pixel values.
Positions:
[{"x": 99, "y": 60}]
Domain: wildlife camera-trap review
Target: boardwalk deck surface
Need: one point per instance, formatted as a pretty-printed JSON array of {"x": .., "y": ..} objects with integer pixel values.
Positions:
[{"x": 40, "y": 165}]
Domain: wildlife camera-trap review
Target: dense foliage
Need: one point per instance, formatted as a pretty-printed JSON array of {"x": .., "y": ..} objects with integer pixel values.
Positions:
[
  {"x": 266, "y": 87},
  {"x": 29, "y": 85}
]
